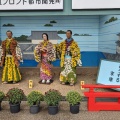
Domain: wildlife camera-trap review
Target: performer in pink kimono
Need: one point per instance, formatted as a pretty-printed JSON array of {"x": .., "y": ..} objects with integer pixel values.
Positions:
[{"x": 45, "y": 53}]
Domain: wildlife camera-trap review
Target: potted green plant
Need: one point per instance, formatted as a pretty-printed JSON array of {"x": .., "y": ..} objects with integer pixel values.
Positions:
[
  {"x": 15, "y": 96},
  {"x": 52, "y": 98},
  {"x": 2, "y": 95},
  {"x": 74, "y": 99},
  {"x": 33, "y": 100}
]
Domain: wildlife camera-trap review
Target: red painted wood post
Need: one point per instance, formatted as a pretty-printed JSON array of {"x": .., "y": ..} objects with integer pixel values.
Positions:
[
  {"x": 91, "y": 99},
  {"x": 119, "y": 100}
]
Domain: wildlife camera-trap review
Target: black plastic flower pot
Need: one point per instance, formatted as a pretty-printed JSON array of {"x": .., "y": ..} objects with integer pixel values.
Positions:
[
  {"x": 74, "y": 109},
  {"x": 52, "y": 110},
  {"x": 34, "y": 109},
  {"x": 14, "y": 108}
]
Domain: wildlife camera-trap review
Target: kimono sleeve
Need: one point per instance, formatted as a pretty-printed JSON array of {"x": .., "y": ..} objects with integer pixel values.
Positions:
[
  {"x": 1, "y": 54},
  {"x": 37, "y": 54},
  {"x": 19, "y": 53}
]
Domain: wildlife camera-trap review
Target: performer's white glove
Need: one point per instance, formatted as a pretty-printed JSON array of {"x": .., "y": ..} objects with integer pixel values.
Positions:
[{"x": 79, "y": 62}]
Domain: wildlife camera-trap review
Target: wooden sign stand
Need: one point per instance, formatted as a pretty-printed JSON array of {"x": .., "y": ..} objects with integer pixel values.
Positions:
[
  {"x": 82, "y": 83},
  {"x": 30, "y": 83}
]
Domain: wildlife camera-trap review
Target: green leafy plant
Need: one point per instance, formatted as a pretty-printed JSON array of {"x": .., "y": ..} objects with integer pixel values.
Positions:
[
  {"x": 52, "y": 97},
  {"x": 15, "y": 95},
  {"x": 73, "y": 98},
  {"x": 2, "y": 95},
  {"x": 34, "y": 98}
]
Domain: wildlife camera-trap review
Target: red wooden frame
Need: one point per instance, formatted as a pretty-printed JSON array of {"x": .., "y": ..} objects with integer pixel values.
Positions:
[{"x": 97, "y": 106}]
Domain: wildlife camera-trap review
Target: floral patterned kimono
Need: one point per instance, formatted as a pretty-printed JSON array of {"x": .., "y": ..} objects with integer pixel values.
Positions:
[
  {"x": 70, "y": 57},
  {"x": 9, "y": 53},
  {"x": 45, "y": 58}
]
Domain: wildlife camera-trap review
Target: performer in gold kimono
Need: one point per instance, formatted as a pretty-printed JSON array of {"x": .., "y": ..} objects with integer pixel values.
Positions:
[
  {"x": 10, "y": 55},
  {"x": 45, "y": 53},
  {"x": 70, "y": 56}
]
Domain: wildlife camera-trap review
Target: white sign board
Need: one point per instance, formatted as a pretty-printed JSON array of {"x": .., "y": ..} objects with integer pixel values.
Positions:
[
  {"x": 95, "y": 4},
  {"x": 109, "y": 73},
  {"x": 31, "y": 4}
]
